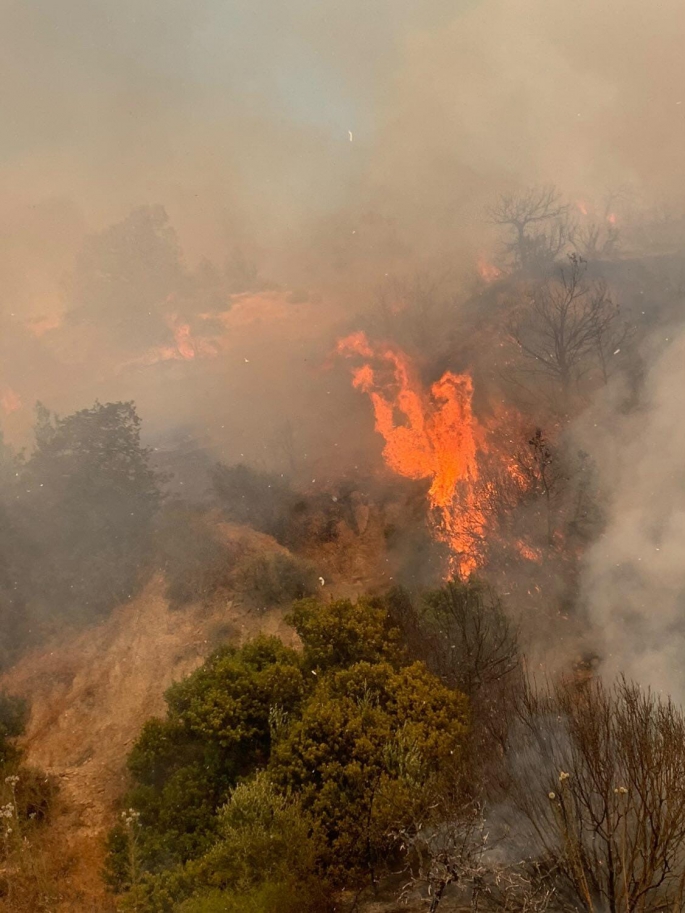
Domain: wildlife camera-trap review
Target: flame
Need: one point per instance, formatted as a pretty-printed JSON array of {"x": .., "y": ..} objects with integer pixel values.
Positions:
[
  {"x": 582, "y": 207},
  {"x": 210, "y": 334},
  {"x": 611, "y": 218},
  {"x": 184, "y": 343},
  {"x": 429, "y": 434},
  {"x": 488, "y": 272}
]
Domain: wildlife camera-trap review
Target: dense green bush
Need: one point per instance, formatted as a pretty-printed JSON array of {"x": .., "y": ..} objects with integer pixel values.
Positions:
[
  {"x": 339, "y": 634},
  {"x": 364, "y": 749},
  {"x": 217, "y": 729},
  {"x": 278, "y": 775}
]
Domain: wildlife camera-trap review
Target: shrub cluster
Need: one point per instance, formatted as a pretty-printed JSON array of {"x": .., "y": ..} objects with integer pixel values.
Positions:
[{"x": 278, "y": 776}]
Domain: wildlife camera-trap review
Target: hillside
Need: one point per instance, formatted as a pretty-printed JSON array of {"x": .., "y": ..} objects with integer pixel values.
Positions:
[{"x": 91, "y": 691}]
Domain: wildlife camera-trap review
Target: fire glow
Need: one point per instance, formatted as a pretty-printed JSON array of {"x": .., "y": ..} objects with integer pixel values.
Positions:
[
  {"x": 487, "y": 271},
  {"x": 429, "y": 434}
]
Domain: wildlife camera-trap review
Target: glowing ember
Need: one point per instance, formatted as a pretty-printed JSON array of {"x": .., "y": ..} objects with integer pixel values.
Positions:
[
  {"x": 184, "y": 343},
  {"x": 611, "y": 218},
  {"x": 582, "y": 207},
  {"x": 488, "y": 272},
  {"x": 428, "y": 435},
  {"x": 528, "y": 552}
]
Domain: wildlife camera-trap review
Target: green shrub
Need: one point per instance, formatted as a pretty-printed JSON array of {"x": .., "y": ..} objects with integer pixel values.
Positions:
[
  {"x": 368, "y": 745},
  {"x": 266, "y": 784},
  {"x": 268, "y": 897},
  {"x": 217, "y": 729},
  {"x": 262, "y": 835},
  {"x": 338, "y": 634}
]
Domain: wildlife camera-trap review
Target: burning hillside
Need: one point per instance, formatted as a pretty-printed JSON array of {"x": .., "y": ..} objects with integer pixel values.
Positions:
[
  {"x": 474, "y": 471},
  {"x": 342, "y": 350}
]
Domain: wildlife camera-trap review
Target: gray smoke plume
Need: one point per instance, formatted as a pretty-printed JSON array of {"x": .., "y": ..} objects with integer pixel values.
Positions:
[{"x": 634, "y": 576}]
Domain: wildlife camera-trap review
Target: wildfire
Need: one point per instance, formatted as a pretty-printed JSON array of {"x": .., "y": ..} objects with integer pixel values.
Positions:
[
  {"x": 528, "y": 552},
  {"x": 210, "y": 334},
  {"x": 184, "y": 343},
  {"x": 429, "y": 434},
  {"x": 488, "y": 272}
]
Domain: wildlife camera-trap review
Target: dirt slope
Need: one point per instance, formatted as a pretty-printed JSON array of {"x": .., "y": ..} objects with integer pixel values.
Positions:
[
  {"x": 89, "y": 697},
  {"x": 90, "y": 693}
]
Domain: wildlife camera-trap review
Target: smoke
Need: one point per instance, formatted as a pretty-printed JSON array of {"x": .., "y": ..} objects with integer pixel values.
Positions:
[
  {"x": 237, "y": 117},
  {"x": 334, "y": 144},
  {"x": 634, "y": 576}
]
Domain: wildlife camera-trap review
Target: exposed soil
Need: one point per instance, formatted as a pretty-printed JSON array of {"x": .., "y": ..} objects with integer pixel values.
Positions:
[{"x": 91, "y": 690}]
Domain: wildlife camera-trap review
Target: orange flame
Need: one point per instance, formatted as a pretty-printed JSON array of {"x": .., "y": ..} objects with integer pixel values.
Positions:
[
  {"x": 488, "y": 272},
  {"x": 582, "y": 207},
  {"x": 183, "y": 340},
  {"x": 428, "y": 435}
]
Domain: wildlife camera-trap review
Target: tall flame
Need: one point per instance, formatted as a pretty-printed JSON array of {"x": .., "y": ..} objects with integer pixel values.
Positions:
[{"x": 428, "y": 435}]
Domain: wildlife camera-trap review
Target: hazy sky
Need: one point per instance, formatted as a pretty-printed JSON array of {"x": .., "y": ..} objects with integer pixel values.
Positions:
[
  {"x": 114, "y": 102},
  {"x": 236, "y": 114}
]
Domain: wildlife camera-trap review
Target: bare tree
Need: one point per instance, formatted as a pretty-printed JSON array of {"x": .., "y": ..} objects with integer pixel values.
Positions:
[
  {"x": 537, "y": 500},
  {"x": 464, "y": 636},
  {"x": 538, "y": 225},
  {"x": 599, "y": 777},
  {"x": 595, "y": 240},
  {"x": 600, "y": 237},
  {"x": 444, "y": 851},
  {"x": 462, "y": 633},
  {"x": 454, "y": 856},
  {"x": 540, "y": 468},
  {"x": 611, "y": 332},
  {"x": 566, "y": 322}
]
